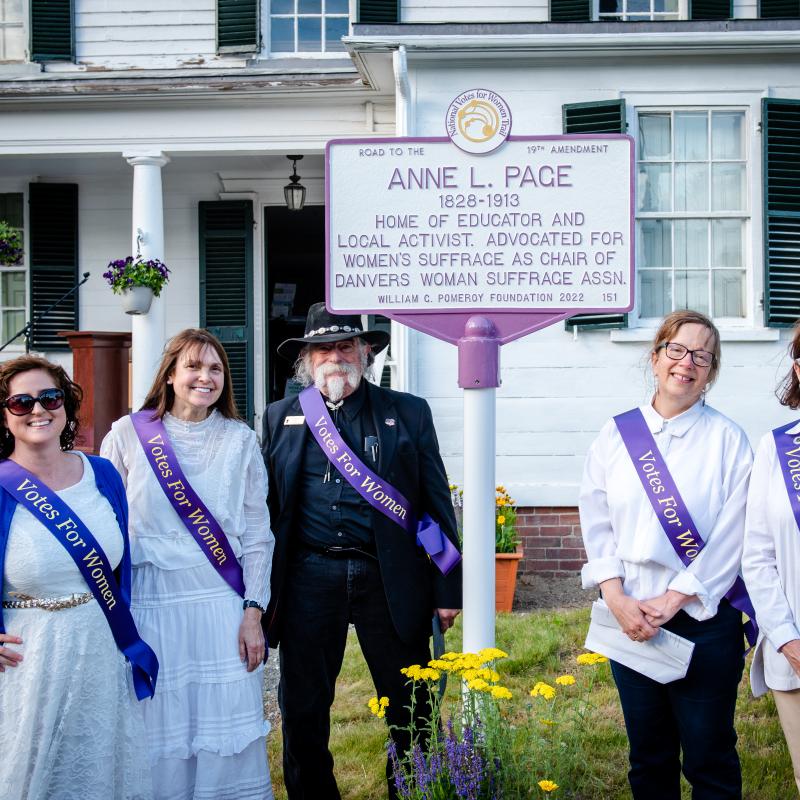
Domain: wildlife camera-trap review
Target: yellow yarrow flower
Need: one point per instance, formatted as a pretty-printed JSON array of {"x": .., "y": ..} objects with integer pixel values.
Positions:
[
  {"x": 591, "y": 658},
  {"x": 500, "y": 693},
  {"x": 378, "y": 707},
  {"x": 439, "y": 663},
  {"x": 565, "y": 680},
  {"x": 542, "y": 689},
  {"x": 546, "y": 721},
  {"x": 548, "y": 786},
  {"x": 491, "y": 654},
  {"x": 477, "y": 684},
  {"x": 451, "y": 656}
]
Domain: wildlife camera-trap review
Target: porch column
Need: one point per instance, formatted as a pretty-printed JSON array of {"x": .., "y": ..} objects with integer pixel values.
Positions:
[{"x": 147, "y": 239}]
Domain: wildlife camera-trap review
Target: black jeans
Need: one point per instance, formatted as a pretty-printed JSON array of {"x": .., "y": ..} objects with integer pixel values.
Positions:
[
  {"x": 322, "y": 595},
  {"x": 694, "y": 714}
]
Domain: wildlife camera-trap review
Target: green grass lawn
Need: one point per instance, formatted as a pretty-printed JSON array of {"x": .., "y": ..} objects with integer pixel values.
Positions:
[{"x": 541, "y": 646}]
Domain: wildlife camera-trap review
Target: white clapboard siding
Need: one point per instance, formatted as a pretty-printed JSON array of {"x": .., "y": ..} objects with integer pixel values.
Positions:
[
  {"x": 147, "y": 34},
  {"x": 475, "y": 11}
]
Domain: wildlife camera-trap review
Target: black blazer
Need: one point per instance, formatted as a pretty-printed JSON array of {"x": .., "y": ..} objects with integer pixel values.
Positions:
[{"x": 408, "y": 458}]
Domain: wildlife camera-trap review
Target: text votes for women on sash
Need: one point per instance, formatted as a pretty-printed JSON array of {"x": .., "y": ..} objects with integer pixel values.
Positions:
[{"x": 71, "y": 530}]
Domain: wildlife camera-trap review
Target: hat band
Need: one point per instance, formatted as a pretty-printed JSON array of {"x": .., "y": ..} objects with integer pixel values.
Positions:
[{"x": 332, "y": 329}]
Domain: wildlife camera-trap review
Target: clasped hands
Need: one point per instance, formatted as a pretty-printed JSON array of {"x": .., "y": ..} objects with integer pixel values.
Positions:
[{"x": 641, "y": 619}]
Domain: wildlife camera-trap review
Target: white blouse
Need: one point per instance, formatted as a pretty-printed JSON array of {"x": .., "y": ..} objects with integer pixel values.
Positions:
[
  {"x": 709, "y": 458},
  {"x": 771, "y": 568},
  {"x": 221, "y": 459}
]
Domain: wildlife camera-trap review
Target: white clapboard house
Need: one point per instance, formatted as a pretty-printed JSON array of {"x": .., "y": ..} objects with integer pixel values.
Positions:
[{"x": 112, "y": 110}]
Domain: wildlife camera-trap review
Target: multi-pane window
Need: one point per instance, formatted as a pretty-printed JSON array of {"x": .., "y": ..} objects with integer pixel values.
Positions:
[
  {"x": 631, "y": 10},
  {"x": 12, "y": 32},
  {"x": 12, "y": 277},
  {"x": 308, "y": 26},
  {"x": 691, "y": 212}
]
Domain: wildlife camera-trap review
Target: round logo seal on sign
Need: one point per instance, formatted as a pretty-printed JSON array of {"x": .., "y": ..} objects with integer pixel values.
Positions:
[{"x": 478, "y": 121}]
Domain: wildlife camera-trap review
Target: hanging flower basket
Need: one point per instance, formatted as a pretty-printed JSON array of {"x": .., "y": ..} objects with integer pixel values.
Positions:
[
  {"x": 138, "y": 281},
  {"x": 10, "y": 245}
]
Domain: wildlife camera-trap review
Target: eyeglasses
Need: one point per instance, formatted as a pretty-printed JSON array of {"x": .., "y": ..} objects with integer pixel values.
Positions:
[
  {"x": 21, "y": 404},
  {"x": 675, "y": 351}
]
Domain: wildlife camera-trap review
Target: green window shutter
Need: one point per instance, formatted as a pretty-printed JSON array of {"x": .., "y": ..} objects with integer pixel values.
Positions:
[
  {"x": 779, "y": 9},
  {"x": 237, "y": 26},
  {"x": 226, "y": 289},
  {"x": 781, "y": 135},
  {"x": 570, "y": 11},
  {"x": 710, "y": 9},
  {"x": 52, "y": 37},
  {"x": 53, "y": 262},
  {"x": 378, "y": 12},
  {"x": 605, "y": 116}
]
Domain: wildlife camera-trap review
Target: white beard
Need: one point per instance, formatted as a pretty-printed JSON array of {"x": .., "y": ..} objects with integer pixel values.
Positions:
[{"x": 331, "y": 384}]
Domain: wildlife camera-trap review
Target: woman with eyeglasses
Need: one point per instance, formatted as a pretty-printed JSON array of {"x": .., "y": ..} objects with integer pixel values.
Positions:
[
  {"x": 662, "y": 513},
  {"x": 71, "y": 661},
  {"x": 202, "y": 556},
  {"x": 771, "y": 561}
]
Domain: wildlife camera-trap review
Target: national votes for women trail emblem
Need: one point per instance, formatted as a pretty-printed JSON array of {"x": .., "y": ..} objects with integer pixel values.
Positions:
[{"x": 478, "y": 121}]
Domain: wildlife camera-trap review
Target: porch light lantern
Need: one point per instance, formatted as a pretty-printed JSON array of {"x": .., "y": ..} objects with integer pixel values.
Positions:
[{"x": 294, "y": 192}]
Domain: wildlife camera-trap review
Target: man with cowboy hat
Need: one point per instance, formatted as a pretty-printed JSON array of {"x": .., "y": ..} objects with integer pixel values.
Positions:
[{"x": 352, "y": 469}]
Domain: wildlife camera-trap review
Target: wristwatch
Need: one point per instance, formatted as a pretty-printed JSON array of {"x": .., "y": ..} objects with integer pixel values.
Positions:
[{"x": 252, "y": 604}]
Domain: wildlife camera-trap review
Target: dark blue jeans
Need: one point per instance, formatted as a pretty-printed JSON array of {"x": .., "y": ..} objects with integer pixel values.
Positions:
[
  {"x": 693, "y": 715},
  {"x": 322, "y": 596}
]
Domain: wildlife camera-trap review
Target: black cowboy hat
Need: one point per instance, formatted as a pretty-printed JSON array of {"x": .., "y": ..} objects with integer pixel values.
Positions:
[{"x": 323, "y": 327}]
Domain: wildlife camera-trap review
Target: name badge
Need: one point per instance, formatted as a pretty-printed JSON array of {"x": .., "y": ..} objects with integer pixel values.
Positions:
[{"x": 298, "y": 420}]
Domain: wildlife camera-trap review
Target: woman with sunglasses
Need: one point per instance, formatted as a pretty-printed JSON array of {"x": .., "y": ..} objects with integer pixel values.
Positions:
[
  {"x": 662, "y": 514},
  {"x": 771, "y": 561},
  {"x": 202, "y": 553},
  {"x": 70, "y": 725}
]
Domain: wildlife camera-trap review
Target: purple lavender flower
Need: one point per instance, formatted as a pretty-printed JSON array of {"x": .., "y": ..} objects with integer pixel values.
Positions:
[{"x": 397, "y": 771}]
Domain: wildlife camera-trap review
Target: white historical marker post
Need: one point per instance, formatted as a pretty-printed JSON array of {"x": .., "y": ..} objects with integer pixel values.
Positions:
[{"x": 479, "y": 238}]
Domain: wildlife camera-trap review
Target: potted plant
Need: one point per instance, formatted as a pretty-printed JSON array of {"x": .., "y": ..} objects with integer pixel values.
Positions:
[
  {"x": 137, "y": 280},
  {"x": 507, "y": 550},
  {"x": 10, "y": 245}
]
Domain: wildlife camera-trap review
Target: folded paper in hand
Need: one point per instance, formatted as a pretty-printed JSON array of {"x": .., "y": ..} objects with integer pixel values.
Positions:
[{"x": 663, "y": 658}]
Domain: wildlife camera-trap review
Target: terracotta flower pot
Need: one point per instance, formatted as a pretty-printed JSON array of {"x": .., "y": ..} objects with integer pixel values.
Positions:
[
  {"x": 505, "y": 579},
  {"x": 137, "y": 300}
]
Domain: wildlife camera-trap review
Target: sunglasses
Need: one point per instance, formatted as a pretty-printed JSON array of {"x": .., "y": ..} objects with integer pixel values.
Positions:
[{"x": 20, "y": 404}]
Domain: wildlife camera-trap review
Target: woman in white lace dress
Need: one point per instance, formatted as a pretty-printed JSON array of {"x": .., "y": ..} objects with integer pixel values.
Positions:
[
  {"x": 70, "y": 725},
  {"x": 205, "y": 727}
]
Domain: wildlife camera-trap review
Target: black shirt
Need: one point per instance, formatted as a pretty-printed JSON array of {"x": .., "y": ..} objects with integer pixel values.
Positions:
[{"x": 330, "y": 512}]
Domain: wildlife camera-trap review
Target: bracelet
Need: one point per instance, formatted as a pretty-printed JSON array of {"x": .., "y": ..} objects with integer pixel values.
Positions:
[{"x": 252, "y": 604}]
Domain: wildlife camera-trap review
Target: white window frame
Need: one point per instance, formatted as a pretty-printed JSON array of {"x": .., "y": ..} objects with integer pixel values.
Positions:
[
  {"x": 750, "y": 327},
  {"x": 266, "y": 28},
  {"x": 18, "y": 345},
  {"x": 23, "y": 26},
  {"x": 682, "y": 14}
]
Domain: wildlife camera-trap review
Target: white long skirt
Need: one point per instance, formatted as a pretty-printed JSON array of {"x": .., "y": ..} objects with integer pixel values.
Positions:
[
  {"x": 70, "y": 725},
  {"x": 205, "y": 726}
]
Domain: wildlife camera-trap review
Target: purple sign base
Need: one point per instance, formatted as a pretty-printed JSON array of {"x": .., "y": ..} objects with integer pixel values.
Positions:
[{"x": 509, "y": 325}]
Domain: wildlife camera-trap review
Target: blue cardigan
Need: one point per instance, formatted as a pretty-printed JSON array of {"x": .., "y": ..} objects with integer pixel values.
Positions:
[{"x": 110, "y": 485}]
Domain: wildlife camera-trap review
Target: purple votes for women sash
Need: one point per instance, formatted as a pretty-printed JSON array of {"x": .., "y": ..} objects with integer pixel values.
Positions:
[
  {"x": 191, "y": 510},
  {"x": 670, "y": 509},
  {"x": 788, "y": 450},
  {"x": 73, "y": 535},
  {"x": 380, "y": 495}
]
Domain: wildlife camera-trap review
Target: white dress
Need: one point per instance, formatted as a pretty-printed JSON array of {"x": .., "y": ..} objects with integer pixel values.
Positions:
[
  {"x": 771, "y": 569},
  {"x": 70, "y": 725},
  {"x": 205, "y": 726}
]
